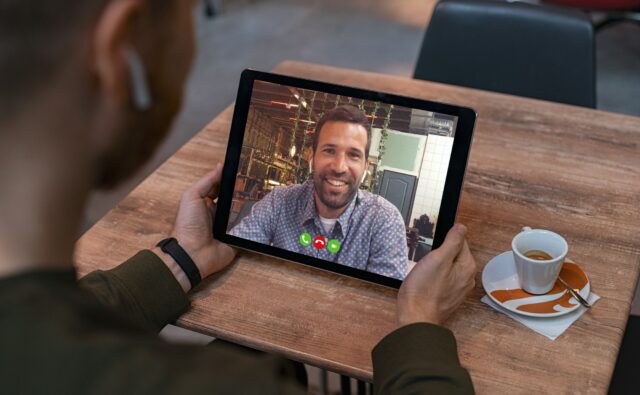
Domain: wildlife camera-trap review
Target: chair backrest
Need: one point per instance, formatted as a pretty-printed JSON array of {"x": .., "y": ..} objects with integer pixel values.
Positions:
[
  {"x": 612, "y": 5},
  {"x": 538, "y": 51}
]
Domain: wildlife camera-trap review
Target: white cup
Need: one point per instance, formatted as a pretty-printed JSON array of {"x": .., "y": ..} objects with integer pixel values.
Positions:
[{"x": 538, "y": 276}]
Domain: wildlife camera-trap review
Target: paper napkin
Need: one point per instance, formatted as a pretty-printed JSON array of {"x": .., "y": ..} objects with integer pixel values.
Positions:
[{"x": 551, "y": 327}]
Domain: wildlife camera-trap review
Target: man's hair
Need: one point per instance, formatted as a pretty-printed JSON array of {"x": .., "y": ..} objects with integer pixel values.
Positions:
[
  {"x": 37, "y": 38},
  {"x": 345, "y": 113}
]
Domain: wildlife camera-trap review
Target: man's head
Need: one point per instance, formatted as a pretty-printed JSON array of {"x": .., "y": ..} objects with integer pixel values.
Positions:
[
  {"x": 77, "y": 52},
  {"x": 345, "y": 113},
  {"x": 340, "y": 151}
]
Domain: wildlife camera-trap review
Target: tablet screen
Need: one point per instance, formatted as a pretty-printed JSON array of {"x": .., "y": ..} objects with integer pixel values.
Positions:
[{"x": 356, "y": 182}]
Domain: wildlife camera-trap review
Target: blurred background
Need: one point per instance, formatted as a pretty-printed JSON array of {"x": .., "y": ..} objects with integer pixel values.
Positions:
[
  {"x": 372, "y": 35},
  {"x": 382, "y": 36}
]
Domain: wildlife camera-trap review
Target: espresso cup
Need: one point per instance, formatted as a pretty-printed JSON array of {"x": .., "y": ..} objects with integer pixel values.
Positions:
[{"x": 538, "y": 271}]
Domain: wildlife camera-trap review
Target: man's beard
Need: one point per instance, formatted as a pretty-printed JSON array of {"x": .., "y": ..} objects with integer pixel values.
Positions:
[{"x": 332, "y": 199}]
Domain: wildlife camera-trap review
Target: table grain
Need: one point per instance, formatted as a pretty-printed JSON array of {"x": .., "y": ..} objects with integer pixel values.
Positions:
[{"x": 573, "y": 170}]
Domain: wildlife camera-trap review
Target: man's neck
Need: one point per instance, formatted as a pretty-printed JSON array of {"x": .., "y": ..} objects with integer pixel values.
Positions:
[
  {"x": 327, "y": 212},
  {"x": 45, "y": 180}
]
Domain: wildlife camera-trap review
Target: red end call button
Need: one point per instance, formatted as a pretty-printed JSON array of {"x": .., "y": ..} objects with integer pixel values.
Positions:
[{"x": 319, "y": 242}]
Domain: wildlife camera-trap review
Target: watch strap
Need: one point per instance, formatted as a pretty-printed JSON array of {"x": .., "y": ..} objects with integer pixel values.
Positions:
[{"x": 170, "y": 246}]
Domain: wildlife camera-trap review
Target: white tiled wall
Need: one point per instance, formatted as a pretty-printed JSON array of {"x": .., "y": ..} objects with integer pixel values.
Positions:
[
  {"x": 374, "y": 151},
  {"x": 433, "y": 174}
]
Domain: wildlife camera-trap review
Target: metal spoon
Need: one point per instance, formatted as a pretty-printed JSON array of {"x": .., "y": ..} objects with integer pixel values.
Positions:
[{"x": 574, "y": 293}]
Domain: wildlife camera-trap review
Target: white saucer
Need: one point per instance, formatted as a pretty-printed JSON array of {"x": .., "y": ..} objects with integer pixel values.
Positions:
[{"x": 500, "y": 282}]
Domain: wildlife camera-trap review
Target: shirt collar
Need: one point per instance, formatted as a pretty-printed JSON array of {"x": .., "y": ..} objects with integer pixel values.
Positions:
[{"x": 310, "y": 213}]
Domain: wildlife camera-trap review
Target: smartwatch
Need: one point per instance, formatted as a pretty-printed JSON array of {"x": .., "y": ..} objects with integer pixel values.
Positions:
[{"x": 170, "y": 246}]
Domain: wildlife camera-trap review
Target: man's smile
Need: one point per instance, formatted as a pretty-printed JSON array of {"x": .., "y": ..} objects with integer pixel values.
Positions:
[{"x": 336, "y": 182}]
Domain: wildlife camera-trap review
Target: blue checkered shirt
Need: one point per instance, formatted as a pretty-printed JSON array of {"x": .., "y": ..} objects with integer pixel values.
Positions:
[{"x": 371, "y": 230}]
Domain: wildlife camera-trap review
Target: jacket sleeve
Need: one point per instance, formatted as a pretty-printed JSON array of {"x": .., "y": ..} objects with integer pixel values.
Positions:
[
  {"x": 142, "y": 289},
  {"x": 419, "y": 359},
  {"x": 145, "y": 291}
]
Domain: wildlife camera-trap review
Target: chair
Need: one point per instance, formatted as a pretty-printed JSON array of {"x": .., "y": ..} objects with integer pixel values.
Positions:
[
  {"x": 606, "y": 12},
  {"x": 209, "y": 8},
  {"x": 538, "y": 51},
  {"x": 625, "y": 375}
]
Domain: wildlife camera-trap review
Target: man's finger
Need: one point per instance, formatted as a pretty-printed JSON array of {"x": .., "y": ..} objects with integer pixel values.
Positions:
[
  {"x": 466, "y": 261},
  {"x": 208, "y": 185},
  {"x": 212, "y": 209},
  {"x": 210, "y": 204},
  {"x": 466, "y": 256},
  {"x": 452, "y": 244}
]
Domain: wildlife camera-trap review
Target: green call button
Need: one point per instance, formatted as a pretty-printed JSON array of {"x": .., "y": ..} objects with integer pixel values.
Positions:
[
  {"x": 305, "y": 239},
  {"x": 333, "y": 246}
]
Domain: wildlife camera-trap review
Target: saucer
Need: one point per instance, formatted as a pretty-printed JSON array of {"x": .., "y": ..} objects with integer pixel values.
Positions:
[{"x": 500, "y": 281}]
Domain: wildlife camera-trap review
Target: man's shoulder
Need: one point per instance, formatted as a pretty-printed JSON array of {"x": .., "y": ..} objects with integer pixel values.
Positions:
[{"x": 383, "y": 207}]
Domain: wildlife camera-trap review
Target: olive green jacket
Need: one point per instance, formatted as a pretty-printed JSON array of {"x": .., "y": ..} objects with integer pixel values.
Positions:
[{"x": 100, "y": 338}]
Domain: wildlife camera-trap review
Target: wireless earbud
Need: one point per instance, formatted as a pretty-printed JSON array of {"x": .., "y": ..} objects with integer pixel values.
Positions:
[
  {"x": 311, "y": 166},
  {"x": 140, "y": 95},
  {"x": 364, "y": 176}
]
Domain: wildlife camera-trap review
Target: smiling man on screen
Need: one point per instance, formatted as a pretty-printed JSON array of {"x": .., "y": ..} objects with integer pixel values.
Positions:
[{"x": 360, "y": 229}]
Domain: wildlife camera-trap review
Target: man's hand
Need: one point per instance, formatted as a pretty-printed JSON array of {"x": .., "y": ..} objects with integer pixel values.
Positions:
[
  {"x": 193, "y": 229},
  {"x": 438, "y": 283}
]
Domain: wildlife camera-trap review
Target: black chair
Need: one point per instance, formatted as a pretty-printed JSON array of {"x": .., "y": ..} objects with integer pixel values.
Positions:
[
  {"x": 625, "y": 375},
  {"x": 606, "y": 12},
  {"x": 209, "y": 8},
  {"x": 538, "y": 51}
]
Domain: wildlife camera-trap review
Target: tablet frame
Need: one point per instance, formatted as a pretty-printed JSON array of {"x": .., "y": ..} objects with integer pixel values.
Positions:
[{"x": 450, "y": 197}]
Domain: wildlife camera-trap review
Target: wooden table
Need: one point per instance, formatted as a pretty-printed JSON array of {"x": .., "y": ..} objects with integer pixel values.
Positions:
[{"x": 569, "y": 169}]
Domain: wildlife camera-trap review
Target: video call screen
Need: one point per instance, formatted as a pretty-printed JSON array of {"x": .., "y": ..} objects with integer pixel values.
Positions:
[{"x": 346, "y": 180}]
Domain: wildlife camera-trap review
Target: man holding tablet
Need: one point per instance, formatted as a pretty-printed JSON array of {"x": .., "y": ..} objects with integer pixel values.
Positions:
[
  {"x": 329, "y": 217},
  {"x": 91, "y": 88}
]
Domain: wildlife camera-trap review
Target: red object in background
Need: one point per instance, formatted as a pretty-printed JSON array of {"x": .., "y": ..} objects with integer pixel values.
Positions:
[
  {"x": 610, "y": 5},
  {"x": 319, "y": 242}
]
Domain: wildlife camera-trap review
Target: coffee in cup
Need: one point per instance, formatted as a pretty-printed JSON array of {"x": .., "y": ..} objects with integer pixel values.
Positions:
[{"x": 538, "y": 255}]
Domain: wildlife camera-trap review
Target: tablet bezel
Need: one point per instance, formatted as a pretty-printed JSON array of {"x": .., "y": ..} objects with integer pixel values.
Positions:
[{"x": 450, "y": 197}]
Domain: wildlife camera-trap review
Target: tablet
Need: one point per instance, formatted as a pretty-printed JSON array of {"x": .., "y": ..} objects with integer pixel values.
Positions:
[{"x": 353, "y": 181}]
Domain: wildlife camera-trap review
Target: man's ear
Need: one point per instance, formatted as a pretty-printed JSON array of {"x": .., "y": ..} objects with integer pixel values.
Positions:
[
  {"x": 311, "y": 165},
  {"x": 112, "y": 49},
  {"x": 364, "y": 175}
]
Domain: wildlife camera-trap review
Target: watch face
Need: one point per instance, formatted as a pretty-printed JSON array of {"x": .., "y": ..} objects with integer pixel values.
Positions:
[{"x": 165, "y": 242}]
